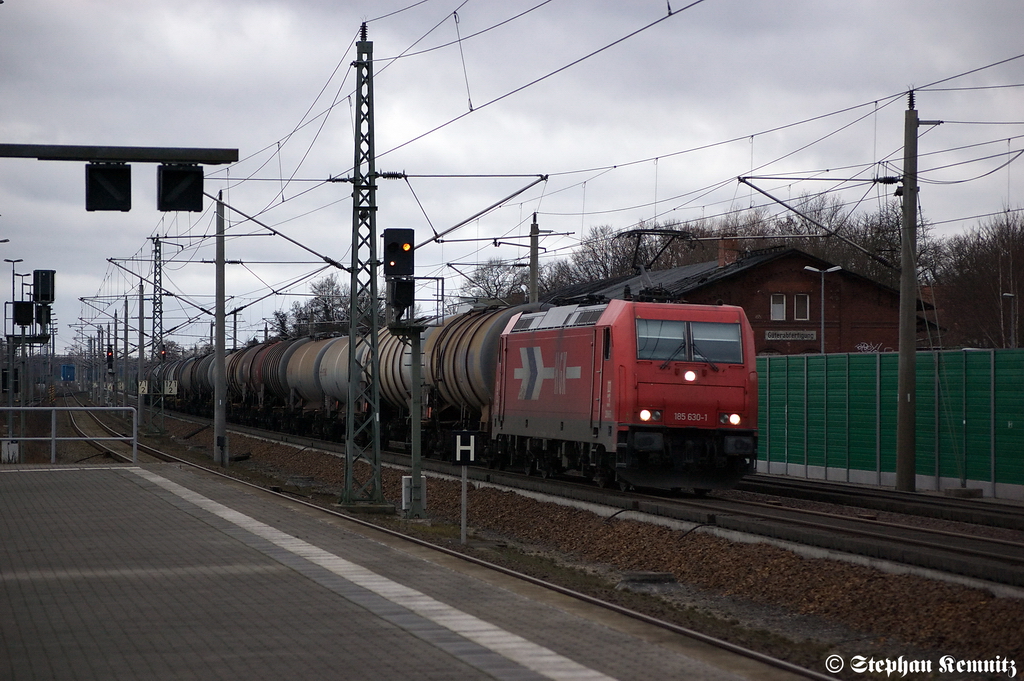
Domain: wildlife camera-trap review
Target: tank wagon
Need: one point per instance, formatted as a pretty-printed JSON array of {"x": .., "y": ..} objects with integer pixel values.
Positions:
[{"x": 641, "y": 394}]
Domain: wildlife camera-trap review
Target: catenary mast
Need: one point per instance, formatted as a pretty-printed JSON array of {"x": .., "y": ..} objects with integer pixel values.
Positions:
[{"x": 362, "y": 419}]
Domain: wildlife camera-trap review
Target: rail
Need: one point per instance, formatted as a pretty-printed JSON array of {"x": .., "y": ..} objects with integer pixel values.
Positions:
[{"x": 53, "y": 439}]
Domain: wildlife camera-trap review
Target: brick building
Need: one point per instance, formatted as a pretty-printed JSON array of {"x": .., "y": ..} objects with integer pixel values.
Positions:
[{"x": 781, "y": 297}]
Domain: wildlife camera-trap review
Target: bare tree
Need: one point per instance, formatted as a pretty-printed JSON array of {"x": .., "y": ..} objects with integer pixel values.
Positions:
[
  {"x": 496, "y": 280},
  {"x": 973, "y": 277},
  {"x": 281, "y": 328},
  {"x": 974, "y": 272},
  {"x": 326, "y": 311}
]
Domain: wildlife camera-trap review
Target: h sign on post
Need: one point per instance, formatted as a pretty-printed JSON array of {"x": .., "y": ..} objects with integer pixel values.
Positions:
[
  {"x": 465, "y": 456},
  {"x": 465, "y": 447}
]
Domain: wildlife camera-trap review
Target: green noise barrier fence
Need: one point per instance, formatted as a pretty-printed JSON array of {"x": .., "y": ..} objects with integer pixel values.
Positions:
[{"x": 834, "y": 417}]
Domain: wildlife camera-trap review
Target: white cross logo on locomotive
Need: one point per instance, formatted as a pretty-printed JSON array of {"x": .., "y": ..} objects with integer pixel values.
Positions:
[{"x": 533, "y": 373}]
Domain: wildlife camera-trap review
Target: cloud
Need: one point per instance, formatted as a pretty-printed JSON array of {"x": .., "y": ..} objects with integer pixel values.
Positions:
[{"x": 643, "y": 130}]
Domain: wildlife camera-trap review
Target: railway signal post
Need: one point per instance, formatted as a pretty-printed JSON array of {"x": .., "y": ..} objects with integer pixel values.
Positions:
[{"x": 399, "y": 270}]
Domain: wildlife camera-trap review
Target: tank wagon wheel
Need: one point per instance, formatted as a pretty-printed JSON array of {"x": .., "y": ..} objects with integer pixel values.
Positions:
[
  {"x": 700, "y": 492},
  {"x": 545, "y": 470},
  {"x": 625, "y": 486}
]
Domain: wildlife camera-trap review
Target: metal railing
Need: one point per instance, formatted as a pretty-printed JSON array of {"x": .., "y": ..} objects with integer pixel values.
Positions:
[{"x": 53, "y": 438}]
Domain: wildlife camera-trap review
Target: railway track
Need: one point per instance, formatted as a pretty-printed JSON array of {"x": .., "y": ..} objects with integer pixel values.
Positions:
[
  {"x": 96, "y": 425},
  {"x": 993, "y": 559},
  {"x": 987, "y": 512},
  {"x": 961, "y": 551},
  {"x": 90, "y": 425},
  {"x": 87, "y": 425}
]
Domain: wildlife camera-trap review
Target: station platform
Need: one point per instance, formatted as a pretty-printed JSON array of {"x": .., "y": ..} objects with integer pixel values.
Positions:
[{"x": 163, "y": 572}]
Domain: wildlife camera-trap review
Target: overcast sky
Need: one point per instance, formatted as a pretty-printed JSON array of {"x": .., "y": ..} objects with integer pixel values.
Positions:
[{"x": 657, "y": 127}]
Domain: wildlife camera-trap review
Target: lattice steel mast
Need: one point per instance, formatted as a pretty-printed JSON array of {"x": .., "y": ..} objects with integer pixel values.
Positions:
[
  {"x": 362, "y": 422},
  {"x": 158, "y": 297}
]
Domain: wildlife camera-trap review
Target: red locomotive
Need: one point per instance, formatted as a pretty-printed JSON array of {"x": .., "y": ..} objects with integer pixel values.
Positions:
[{"x": 645, "y": 394}]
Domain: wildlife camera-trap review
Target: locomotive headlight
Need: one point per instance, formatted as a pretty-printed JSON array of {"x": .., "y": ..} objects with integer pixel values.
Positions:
[
  {"x": 690, "y": 376},
  {"x": 648, "y": 415},
  {"x": 731, "y": 419}
]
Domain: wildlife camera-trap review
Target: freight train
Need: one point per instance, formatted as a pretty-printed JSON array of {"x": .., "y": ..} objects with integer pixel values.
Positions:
[{"x": 639, "y": 394}]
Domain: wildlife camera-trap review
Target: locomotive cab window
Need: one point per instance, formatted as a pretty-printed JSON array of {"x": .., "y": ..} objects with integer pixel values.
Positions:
[
  {"x": 717, "y": 342},
  {"x": 660, "y": 339},
  {"x": 673, "y": 340}
]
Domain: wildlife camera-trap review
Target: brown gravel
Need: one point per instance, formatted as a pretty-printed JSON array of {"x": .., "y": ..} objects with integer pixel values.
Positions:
[{"x": 808, "y": 606}]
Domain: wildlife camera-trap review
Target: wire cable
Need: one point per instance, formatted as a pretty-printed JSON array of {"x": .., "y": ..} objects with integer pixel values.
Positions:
[{"x": 537, "y": 80}]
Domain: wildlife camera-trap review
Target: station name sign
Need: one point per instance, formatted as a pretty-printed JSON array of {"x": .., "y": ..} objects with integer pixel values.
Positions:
[{"x": 790, "y": 335}]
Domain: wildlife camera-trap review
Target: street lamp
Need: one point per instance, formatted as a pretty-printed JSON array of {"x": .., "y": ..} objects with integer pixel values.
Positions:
[
  {"x": 822, "y": 273},
  {"x": 13, "y": 263},
  {"x": 10, "y": 355},
  {"x": 23, "y": 284},
  {"x": 1013, "y": 318}
]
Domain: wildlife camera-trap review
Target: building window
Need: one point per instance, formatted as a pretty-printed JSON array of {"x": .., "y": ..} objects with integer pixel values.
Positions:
[
  {"x": 778, "y": 307},
  {"x": 802, "y": 307}
]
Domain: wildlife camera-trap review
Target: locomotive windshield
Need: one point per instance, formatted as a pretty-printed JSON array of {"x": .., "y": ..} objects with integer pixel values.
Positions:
[
  {"x": 660, "y": 339},
  {"x": 717, "y": 342},
  {"x": 669, "y": 340}
]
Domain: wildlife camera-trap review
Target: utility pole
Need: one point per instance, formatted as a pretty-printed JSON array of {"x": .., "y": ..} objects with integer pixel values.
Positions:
[
  {"x": 362, "y": 412},
  {"x": 220, "y": 390},
  {"x": 416, "y": 506},
  {"x": 101, "y": 372},
  {"x": 142, "y": 352},
  {"x": 112, "y": 371},
  {"x": 534, "y": 257},
  {"x": 124, "y": 355},
  {"x": 906, "y": 409},
  {"x": 1013, "y": 318}
]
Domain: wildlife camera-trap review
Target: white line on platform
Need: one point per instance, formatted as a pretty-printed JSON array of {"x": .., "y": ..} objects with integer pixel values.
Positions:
[{"x": 514, "y": 647}]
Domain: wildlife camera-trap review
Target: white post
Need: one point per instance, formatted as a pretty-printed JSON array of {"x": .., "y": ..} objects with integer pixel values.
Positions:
[
  {"x": 465, "y": 477},
  {"x": 53, "y": 435}
]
